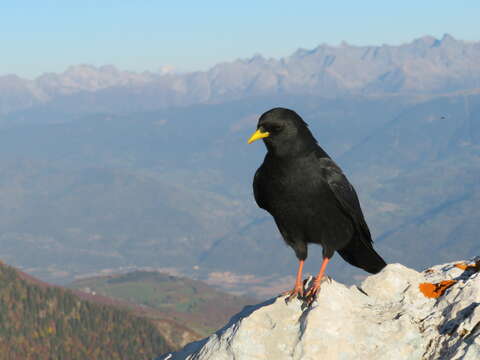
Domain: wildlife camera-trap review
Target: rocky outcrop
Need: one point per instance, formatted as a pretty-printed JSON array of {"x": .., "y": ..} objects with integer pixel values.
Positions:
[{"x": 396, "y": 314}]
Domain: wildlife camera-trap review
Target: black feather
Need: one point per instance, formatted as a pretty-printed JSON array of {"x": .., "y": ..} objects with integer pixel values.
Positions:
[{"x": 308, "y": 195}]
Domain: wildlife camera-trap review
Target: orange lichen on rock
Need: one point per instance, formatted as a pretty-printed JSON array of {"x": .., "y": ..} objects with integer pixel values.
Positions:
[
  {"x": 435, "y": 290},
  {"x": 462, "y": 266},
  {"x": 466, "y": 267}
]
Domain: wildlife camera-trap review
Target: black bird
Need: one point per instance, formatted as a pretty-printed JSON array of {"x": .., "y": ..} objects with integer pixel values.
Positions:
[{"x": 309, "y": 197}]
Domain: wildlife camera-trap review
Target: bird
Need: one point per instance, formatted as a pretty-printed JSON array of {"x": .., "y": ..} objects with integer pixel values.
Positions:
[{"x": 309, "y": 198}]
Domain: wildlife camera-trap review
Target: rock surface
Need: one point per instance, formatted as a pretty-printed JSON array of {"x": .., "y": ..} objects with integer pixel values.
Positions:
[{"x": 386, "y": 317}]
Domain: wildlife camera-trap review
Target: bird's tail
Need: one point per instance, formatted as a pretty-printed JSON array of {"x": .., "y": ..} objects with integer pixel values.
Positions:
[{"x": 363, "y": 256}]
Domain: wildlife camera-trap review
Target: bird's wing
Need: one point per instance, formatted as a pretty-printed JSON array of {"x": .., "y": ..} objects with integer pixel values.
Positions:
[
  {"x": 346, "y": 196},
  {"x": 258, "y": 189}
]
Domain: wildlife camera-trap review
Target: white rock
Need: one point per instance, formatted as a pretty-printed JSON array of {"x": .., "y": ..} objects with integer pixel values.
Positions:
[{"x": 386, "y": 318}]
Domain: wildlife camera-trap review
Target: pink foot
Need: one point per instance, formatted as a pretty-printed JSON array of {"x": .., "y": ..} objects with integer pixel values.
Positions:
[{"x": 297, "y": 292}]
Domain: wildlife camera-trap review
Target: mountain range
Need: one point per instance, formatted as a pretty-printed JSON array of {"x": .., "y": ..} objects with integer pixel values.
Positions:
[
  {"x": 424, "y": 66},
  {"x": 117, "y": 175}
]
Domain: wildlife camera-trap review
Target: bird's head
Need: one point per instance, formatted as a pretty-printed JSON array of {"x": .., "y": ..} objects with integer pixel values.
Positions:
[{"x": 284, "y": 132}]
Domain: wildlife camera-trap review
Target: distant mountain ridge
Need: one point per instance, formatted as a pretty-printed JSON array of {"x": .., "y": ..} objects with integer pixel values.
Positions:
[{"x": 424, "y": 66}]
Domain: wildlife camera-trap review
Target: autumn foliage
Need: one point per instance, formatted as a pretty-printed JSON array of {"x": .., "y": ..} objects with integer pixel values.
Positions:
[{"x": 45, "y": 322}]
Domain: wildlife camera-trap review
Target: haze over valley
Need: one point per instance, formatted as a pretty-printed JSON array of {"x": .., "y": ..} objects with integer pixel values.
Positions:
[{"x": 110, "y": 170}]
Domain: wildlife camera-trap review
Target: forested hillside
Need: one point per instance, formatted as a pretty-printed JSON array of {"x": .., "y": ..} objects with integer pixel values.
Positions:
[{"x": 43, "y": 322}]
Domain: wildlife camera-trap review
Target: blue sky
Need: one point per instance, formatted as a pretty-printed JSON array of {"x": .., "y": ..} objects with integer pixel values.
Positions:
[{"x": 48, "y": 36}]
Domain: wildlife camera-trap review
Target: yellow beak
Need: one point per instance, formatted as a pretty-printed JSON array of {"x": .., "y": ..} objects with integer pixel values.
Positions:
[{"x": 258, "y": 135}]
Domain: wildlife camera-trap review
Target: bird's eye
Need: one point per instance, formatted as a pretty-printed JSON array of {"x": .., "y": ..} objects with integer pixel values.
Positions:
[{"x": 276, "y": 128}]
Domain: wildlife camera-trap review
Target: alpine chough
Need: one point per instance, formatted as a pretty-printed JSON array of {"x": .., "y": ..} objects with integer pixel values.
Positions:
[{"x": 309, "y": 198}]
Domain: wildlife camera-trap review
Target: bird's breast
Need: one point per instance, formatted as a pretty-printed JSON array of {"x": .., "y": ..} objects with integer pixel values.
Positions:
[
  {"x": 299, "y": 197},
  {"x": 297, "y": 191}
]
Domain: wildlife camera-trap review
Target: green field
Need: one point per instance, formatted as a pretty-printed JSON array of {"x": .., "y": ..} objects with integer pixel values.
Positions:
[{"x": 189, "y": 302}]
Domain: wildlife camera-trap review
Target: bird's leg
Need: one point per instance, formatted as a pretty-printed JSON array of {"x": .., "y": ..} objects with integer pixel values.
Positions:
[
  {"x": 316, "y": 283},
  {"x": 298, "y": 289}
]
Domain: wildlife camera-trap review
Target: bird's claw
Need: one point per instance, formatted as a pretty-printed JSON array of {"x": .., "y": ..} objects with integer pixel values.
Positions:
[
  {"x": 311, "y": 295},
  {"x": 292, "y": 294},
  {"x": 314, "y": 291}
]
